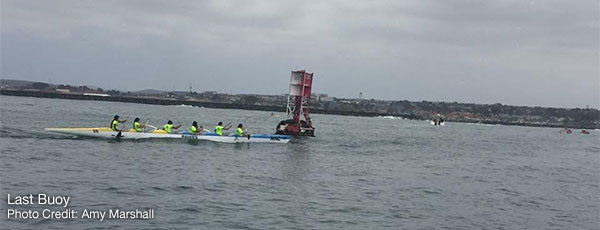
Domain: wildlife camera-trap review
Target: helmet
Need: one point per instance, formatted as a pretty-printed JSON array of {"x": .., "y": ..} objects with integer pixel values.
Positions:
[{"x": 169, "y": 122}]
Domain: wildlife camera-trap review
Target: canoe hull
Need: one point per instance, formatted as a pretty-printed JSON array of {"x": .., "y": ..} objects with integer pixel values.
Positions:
[
  {"x": 110, "y": 134},
  {"x": 255, "y": 138}
]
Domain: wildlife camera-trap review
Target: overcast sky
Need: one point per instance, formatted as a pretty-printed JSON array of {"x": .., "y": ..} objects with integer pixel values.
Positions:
[{"x": 513, "y": 52}]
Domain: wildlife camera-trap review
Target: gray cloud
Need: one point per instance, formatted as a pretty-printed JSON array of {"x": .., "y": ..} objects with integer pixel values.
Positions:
[{"x": 513, "y": 52}]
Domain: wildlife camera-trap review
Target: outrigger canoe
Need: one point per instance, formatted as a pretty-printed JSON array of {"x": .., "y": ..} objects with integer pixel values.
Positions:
[{"x": 104, "y": 132}]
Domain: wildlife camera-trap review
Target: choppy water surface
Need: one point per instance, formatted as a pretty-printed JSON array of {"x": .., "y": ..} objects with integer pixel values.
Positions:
[{"x": 358, "y": 173}]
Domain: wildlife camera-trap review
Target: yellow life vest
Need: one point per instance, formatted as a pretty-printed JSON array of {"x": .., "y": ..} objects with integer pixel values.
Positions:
[
  {"x": 219, "y": 130},
  {"x": 136, "y": 127},
  {"x": 115, "y": 125},
  {"x": 193, "y": 129},
  {"x": 239, "y": 131},
  {"x": 168, "y": 128}
]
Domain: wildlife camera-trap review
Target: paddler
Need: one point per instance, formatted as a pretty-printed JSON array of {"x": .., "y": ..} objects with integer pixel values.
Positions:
[
  {"x": 114, "y": 125},
  {"x": 219, "y": 128},
  {"x": 169, "y": 127},
  {"x": 137, "y": 126},
  {"x": 241, "y": 131},
  {"x": 195, "y": 129}
]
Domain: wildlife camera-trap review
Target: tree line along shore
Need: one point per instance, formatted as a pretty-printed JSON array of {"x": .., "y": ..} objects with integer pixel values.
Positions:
[{"x": 587, "y": 118}]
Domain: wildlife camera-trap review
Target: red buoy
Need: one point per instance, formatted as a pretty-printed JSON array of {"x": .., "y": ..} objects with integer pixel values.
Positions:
[{"x": 298, "y": 106}]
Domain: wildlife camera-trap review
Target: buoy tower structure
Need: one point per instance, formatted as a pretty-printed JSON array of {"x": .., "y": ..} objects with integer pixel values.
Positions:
[{"x": 298, "y": 106}]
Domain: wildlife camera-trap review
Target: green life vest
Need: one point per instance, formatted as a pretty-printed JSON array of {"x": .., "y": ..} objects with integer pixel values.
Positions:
[
  {"x": 239, "y": 131},
  {"x": 115, "y": 125},
  {"x": 168, "y": 128},
  {"x": 193, "y": 129},
  {"x": 136, "y": 127},
  {"x": 219, "y": 130}
]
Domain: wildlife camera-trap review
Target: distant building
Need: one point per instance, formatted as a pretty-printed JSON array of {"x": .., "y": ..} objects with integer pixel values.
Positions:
[
  {"x": 63, "y": 91},
  {"x": 322, "y": 97},
  {"x": 92, "y": 87},
  {"x": 327, "y": 99},
  {"x": 95, "y": 94}
]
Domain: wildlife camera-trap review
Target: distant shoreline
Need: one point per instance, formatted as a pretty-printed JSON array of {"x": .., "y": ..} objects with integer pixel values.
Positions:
[
  {"x": 158, "y": 101},
  {"x": 220, "y": 105}
]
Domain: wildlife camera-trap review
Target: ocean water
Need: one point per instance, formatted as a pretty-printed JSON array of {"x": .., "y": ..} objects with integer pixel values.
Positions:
[{"x": 357, "y": 173}]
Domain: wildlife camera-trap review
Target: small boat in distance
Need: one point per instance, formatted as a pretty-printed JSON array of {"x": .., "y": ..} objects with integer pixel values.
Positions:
[{"x": 438, "y": 121}]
